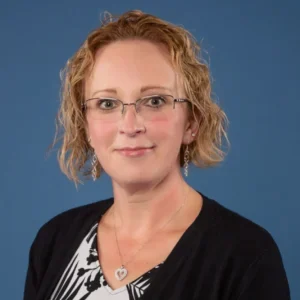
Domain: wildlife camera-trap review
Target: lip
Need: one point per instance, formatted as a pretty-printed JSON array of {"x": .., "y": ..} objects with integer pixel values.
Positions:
[{"x": 135, "y": 151}]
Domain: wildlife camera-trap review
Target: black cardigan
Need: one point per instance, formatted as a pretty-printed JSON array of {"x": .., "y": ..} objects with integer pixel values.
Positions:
[{"x": 221, "y": 256}]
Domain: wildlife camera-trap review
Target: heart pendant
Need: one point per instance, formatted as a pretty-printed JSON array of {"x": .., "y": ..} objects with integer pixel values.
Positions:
[{"x": 121, "y": 273}]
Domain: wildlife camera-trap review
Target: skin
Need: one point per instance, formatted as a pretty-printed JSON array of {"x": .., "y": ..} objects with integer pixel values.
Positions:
[{"x": 150, "y": 188}]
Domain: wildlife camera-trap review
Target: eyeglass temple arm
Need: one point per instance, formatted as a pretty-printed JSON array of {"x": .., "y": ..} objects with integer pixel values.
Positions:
[{"x": 181, "y": 100}]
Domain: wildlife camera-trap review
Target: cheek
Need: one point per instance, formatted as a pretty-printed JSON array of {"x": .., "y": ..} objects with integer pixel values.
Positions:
[
  {"x": 167, "y": 134},
  {"x": 101, "y": 133}
]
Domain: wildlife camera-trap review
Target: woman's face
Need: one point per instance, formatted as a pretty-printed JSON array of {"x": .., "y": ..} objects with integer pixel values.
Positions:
[{"x": 129, "y": 70}]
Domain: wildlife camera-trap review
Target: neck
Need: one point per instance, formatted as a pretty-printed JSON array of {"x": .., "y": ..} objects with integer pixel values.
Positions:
[{"x": 141, "y": 209}]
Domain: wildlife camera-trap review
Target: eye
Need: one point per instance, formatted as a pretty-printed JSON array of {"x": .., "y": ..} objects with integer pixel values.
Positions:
[
  {"x": 107, "y": 104},
  {"x": 155, "y": 101}
]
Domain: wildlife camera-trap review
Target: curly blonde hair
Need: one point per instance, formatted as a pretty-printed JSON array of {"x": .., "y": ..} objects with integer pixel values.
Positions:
[{"x": 75, "y": 150}]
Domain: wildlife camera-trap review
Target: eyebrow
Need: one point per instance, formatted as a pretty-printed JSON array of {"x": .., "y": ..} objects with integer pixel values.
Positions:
[{"x": 142, "y": 90}]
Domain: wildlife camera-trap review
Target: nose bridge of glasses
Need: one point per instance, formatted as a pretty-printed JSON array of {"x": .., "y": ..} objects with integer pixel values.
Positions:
[{"x": 129, "y": 104}]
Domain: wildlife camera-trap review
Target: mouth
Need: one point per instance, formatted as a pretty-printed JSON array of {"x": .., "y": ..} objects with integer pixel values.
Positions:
[{"x": 135, "y": 151}]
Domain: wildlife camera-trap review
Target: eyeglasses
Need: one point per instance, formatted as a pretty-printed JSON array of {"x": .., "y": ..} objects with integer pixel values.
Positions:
[{"x": 149, "y": 107}]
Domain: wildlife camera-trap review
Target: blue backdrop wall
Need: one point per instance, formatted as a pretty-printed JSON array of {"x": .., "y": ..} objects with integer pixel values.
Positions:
[{"x": 253, "y": 50}]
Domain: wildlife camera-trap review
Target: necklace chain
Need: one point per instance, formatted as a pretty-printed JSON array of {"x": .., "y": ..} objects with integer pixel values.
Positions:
[{"x": 148, "y": 240}]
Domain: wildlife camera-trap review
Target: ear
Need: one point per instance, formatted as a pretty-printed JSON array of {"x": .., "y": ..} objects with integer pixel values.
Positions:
[{"x": 190, "y": 132}]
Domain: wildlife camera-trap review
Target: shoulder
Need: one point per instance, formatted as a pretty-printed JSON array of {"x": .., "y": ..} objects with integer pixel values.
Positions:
[
  {"x": 239, "y": 253},
  {"x": 238, "y": 235},
  {"x": 58, "y": 238},
  {"x": 71, "y": 221}
]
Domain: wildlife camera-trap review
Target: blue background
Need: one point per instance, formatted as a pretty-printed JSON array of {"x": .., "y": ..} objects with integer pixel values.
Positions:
[{"x": 253, "y": 50}]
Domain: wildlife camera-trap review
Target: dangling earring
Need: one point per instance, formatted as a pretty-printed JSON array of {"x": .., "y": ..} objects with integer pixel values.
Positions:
[
  {"x": 94, "y": 166},
  {"x": 186, "y": 160}
]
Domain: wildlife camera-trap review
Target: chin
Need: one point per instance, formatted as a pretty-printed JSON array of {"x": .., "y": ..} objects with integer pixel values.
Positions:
[{"x": 134, "y": 177}]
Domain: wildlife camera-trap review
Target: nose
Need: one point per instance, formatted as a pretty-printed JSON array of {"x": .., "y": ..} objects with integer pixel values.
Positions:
[{"x": 130, "y": 122}]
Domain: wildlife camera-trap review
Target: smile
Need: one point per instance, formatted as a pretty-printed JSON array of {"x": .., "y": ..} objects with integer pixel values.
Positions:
[{"x": 135, "y": 152}]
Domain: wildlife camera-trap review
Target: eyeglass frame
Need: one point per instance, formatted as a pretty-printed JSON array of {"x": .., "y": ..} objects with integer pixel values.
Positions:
[{"x": 178, "y": 100}]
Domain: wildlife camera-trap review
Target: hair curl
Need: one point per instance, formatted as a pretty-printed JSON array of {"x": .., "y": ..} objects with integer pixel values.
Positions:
[{"x": 75, "y": 150}]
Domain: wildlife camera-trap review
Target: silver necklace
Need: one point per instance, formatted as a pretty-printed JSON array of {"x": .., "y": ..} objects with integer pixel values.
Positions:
[{"x": 122, "y": 272}]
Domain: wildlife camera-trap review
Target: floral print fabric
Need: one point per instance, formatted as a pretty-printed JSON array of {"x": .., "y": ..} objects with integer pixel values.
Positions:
[{"x": 84, "y": 279}]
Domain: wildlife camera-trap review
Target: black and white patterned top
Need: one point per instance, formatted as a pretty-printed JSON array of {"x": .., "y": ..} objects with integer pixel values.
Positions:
[{"x": 84, "y": 279}]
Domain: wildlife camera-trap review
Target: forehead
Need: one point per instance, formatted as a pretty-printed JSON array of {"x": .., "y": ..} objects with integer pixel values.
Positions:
[{"x": 128, "y": 65}]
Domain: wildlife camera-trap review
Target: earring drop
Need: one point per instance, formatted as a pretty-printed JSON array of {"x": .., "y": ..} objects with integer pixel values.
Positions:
[
  {"x": 186, "y": 160},
  {"x": 94, "y": 166}
]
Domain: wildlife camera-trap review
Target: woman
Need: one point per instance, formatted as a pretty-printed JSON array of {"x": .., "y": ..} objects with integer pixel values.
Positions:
[{"x": 137, "y": 103}]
